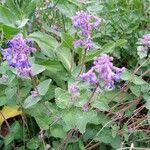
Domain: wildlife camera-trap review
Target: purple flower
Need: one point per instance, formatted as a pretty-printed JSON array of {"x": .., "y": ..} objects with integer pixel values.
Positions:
[
  {"x": 97, "y": 21},
  {"x": 17, "y": 54},
  {"x": 55, "y": 28},
  {"x": 144, "y": 45},
  {"x": 104, "y": 70},
  {"x": 87, "y": 43},
  {"x": 73, "y": 89},
  {"x": 78, "y": 43},
  {"x": 143, "y": 49},
  {"x": 85, "y": 22},
  {"x": 29, "y": 42},
  {"x": 34, "y": 93},
  {"x": 90, "y": 77},
  {"x": 4, "y": 77},
  {"x": 145, "y": 40},
  {"x": 118, "y": 72}
]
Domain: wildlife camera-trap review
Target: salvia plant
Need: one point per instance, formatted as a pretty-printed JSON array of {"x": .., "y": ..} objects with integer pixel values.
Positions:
[{"x": 75, "y": 75}]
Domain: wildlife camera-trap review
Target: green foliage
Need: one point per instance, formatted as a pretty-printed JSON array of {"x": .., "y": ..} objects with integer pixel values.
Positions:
[
  {"x": 33, "y": 143},
  {"x": 7, "y": 17},
  {"x": 47, "y": 43},
  {"x": 15, "y": 133},
  {"x": 43, "y": 87}
]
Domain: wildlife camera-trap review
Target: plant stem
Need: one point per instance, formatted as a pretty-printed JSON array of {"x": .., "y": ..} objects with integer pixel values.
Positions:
[
  {"x": 139, "y": 109},
  {"x": 143, "y": 74},
  {"x": 90, "y": 98},
  {"x": 134, "y": 148},
  {"x": 83, "y": 62},
  {"x": 63, "y": 21},
  {"x": 66, "y": 139},
  {"x": 100, "y": 132},
  {"x": 93, "y": 146},
  {"x": 34, "y": 83},
  {"x": 5, "y": 120},
  {"x": 141, "y": 65}
]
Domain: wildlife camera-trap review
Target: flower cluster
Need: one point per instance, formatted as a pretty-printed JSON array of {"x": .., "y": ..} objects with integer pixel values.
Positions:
[
  {"x": 74, "y": 91},
  {"x": 17, "y": 54},
  {"x": 4, "y": 78},
  {"x": 73, "y": 88},
  {"x": 103, "y": 70},
  {"x": 34, "y": 93},
  {"x": 55, "y": 28},
  {"x": 85, "y": 22},
  {"x": 144, "y": 44}
]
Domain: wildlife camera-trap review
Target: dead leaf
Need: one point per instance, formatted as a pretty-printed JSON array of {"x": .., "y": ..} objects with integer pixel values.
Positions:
[{"x": 9, "y": 112}]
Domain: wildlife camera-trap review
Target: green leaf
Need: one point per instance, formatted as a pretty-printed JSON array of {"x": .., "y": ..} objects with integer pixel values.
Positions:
[
  {"x": 81, "y": 145},
  {"x": 33, "y": 143},
  {"x": 145, "y": 88},
  {"x": 26, "y": 9},
  {"x": 121, "y": 43},
  {"x": 114, "y": 95},
  {"x": 29, "y": 7},
  {"x": 13, "y": 7},
  {"x": 76, "y": 2},
  {"x": 146, "y": 96},
  {"x": 3, "y": 100},
  {"x": 56, "y": 71},
  {"x": 82, "y": 99},
  {"x": 66, "y": 8},
  {"x": 21, "y": 148},
  {"x": 53, "y": 66},
  {"x": 114, "y": 130},
  {"x": 67, "y": 41},
  {"x": 21, "y": 23},
  {"x": 57, "y": 131},
  {"x": 127, "y": 76},
  {"x": 106, "y": 137},
  {"x": 79, "y": 119},
  {"x": 9, "y": 30},
  {"x": 46, "y": 42},
  {"x": 95, "y": 7},
  {"x": 82, "y": 118},
  {"x": 8, "y": 139},
  {"x": 100, "y": 104},
  {"x": 44, "y": 86},
  {"x": 50, "y": 94},
  {"x": 43, "y": 121},
  {"x": 15, "y": 133},
  {"x": 107, "y": 48},
  {"x": 69, "y": 119},
  {"x": 30, "y": 101},
  {"x": 36, "y": 69},
  {"x": 42, "y": 113},
  {"x": 10, "y": 92},
  {"x": 138, "y": 80},
  {"x": 136, "y": 90},
  {"x": 62, "y": 98},
  {"x": 7, "y": 17},
  {"x": 64, "y": 55}
]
